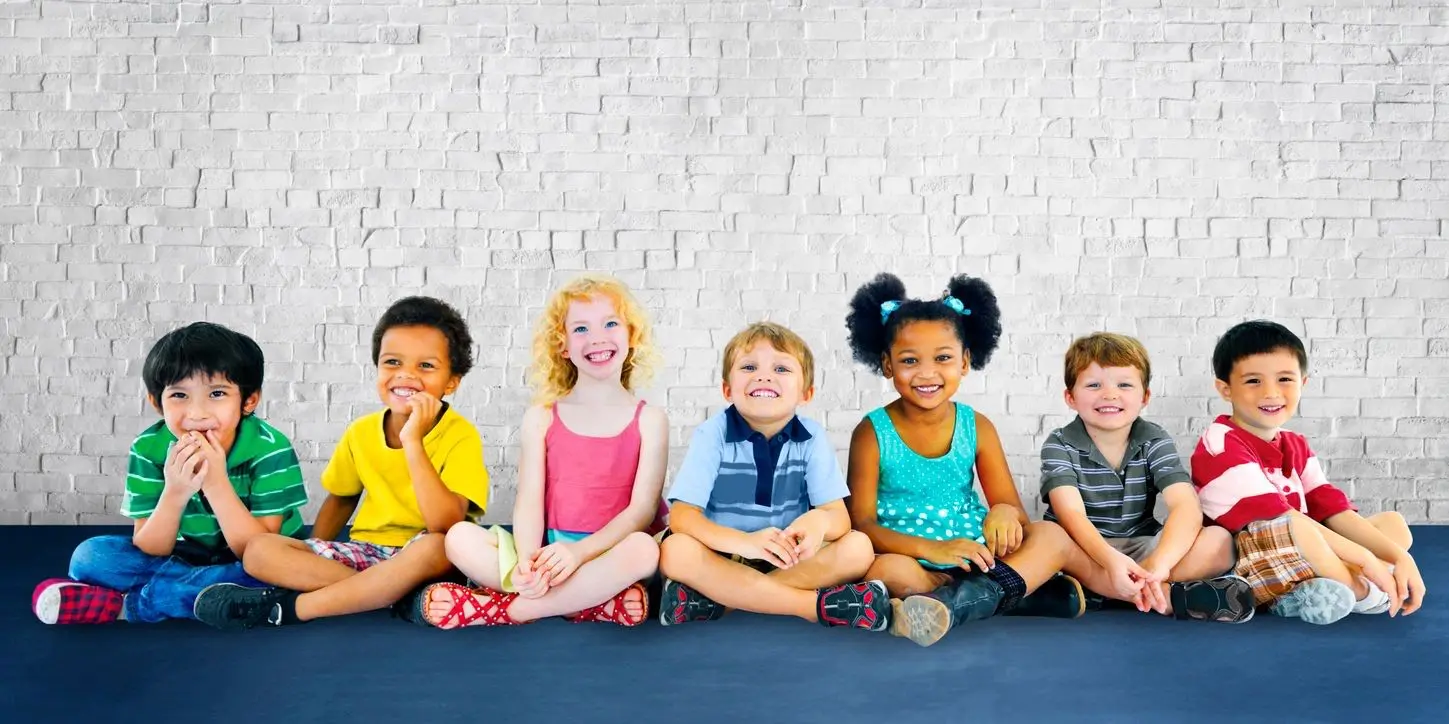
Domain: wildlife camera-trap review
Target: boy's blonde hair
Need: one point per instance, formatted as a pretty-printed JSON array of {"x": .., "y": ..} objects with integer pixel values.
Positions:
[
  {"x": 552, "y": 375},
  {"x": 1107, "y": 350},
  {"x": 779, "y": 337}
]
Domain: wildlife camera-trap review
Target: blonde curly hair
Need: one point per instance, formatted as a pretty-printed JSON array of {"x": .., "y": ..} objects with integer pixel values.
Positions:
[{"x": 553, "y": 375}]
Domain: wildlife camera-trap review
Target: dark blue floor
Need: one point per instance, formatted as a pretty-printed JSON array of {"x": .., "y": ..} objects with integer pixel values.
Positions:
[{"x": 1108, "y": 667}]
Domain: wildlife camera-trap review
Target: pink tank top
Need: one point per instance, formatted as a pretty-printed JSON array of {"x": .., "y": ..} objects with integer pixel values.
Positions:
[{"x": 589, "y": 480}]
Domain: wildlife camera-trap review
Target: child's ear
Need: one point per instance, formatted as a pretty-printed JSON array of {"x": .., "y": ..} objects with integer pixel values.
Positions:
[
  {"x": 150, "y": 398},
  {"x": 809, "y": 393},
  {"x": 1146, "y": 396},
  {"x": 724, "y": 389},
  {"x": 1224, "y": 390},
  {"x": 249, "y": 405},
  {"x": 1067, "y": 397},
  {"x": 885, "y": 366},
  {"x": 452, "y": 385}
]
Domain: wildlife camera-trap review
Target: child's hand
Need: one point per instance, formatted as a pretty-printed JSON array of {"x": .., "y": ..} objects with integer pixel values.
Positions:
[
  {"x": 772, "y": 546},
  {"x": 185, "y": 467},
  {"x": 424, "y": 410},
  {"x": 1126, "y": 578},
  {"x": 962, "y": 552},
  {"x": 805, "y": 536},
  {"x": 1002, "y": 529},
  {"x": 1150, "y": 596},
  {"x": 1410, "y": 585},
  {"x": 528, "y": 582},
  {"x": 556, "y": 562},
  {"x": 210, "y": 444}
]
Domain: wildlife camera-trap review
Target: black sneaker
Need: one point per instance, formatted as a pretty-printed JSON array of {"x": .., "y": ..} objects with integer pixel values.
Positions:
[
  {"x": 230, "y": 606},
  {"x": 864, "y": 605},
  {"x": 1225, "y": 599},
  {"x": 681, "y": 604},
  {"x": 1060, "y": 597}
]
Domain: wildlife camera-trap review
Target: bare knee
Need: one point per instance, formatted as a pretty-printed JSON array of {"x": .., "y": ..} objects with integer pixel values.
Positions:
[
  {"x": 854, "y": 554},
  {"x": 1392, "y": 524},
  {"x": 902, "y": 575},
  {"x": 465, "y": 537},
  {"x": 262, "y": 551},
  {"x": 428, "y": 555},
  {"x": 679, "y": 553},
  {"x": 639, "y": 554},
  {"x": 1215, "y": 544},
  {"x": 1047, "y": 534}
]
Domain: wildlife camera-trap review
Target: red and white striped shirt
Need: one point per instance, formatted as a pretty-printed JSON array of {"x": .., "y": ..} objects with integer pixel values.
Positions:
[{"x": 1241, "y": 478}]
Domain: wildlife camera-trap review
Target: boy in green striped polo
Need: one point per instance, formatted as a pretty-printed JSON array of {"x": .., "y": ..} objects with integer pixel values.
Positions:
[
  {"x": 201, "y": 482},
  {"x": 1101, "y": 476}
]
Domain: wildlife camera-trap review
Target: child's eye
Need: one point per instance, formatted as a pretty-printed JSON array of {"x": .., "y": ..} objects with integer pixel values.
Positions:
[
  {"x": 908, "y": 360},
  {"x": 580, "y": 329},
  {"x": 391, "y": 362},
  {"x": 782, "y": 370},
  {"x": 748, "y": 367},
  {"x": 610, "y": 324},
  {"x": 943, "y": 358},
  {"x": 218, "y": 394},
  {"x": 1092, "y": 385},
  {"x": 177, "y": 395},
  {"x": 1126, "y": 385},
  {"x": 426, "y": 365}
]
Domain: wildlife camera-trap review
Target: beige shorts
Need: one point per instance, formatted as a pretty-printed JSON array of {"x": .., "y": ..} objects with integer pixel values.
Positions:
[{"x": 1136, "y": 547}]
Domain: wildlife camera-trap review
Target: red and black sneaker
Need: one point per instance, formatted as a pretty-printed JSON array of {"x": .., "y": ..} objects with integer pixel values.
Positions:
[
  {"x": 61, "y": 600},
  {"x": 864, "y": 605},
  {"x": 681, "y": 604}
]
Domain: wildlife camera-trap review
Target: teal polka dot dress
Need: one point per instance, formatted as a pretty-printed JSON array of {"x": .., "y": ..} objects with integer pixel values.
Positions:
[{"x": 932, "y": 498}]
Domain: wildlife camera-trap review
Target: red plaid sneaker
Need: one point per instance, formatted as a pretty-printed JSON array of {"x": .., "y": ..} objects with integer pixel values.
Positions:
[{"x": 61, "y": 600}]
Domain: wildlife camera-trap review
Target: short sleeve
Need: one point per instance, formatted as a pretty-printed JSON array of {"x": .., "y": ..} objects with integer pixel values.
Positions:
[
  {"x": 1058, "y": 465},
  {"x": 694, "y": 482},
  {"x": 340, "y": 476},
  {"x": 823, "y": 480},
  {"x": 276, "y": 480},
  {"x": 145, "y": 480},
  {"x": 462, "y": 470},
  {"x": 1163, "y": 462}
]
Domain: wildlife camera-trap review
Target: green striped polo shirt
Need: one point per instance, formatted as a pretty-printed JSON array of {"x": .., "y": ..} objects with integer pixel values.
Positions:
[{"x": 262, "y": 467}]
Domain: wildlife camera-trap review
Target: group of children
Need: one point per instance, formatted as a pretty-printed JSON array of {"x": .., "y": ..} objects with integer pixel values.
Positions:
[{"x": 759, "y": 516}]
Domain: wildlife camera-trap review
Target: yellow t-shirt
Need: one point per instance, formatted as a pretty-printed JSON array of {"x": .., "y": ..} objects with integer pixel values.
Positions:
[{"x": 388, "y": 514}]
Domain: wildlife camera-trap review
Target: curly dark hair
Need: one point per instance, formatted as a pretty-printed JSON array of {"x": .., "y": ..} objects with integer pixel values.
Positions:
[
  {"x": 429, "y": 312},
  {"x": 870, "y": 337}
]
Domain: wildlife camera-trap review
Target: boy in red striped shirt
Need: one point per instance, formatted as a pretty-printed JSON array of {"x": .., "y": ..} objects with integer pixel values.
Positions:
[{"x": 1301, "y": 543}]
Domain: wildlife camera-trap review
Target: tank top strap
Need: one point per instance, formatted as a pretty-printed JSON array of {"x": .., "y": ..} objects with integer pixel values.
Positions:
[{"x": 965, "y": 437}]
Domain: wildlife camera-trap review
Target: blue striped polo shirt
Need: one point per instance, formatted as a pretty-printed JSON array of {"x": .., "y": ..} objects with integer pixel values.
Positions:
[{"x": 744, "y": 481}]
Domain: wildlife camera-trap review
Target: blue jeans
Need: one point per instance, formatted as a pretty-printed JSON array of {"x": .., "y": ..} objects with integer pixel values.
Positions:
[{"x": 156, "y": 588}]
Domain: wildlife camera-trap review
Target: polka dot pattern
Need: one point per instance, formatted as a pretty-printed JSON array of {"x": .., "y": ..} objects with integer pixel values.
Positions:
[{"x": 932, "y": 498}]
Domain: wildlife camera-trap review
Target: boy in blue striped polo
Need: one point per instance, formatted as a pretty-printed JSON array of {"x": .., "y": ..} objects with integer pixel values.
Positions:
[
  {"x": 1100, "y": 477},
  {"x": 757, "y": 510},
  {"x": 201, "y": 483}
]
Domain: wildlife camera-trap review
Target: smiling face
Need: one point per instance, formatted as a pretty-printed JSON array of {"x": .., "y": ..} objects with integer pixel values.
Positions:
[
  {"x": 766, "y": 385},
  {"x": 596, "y": 338},
  {"x": 1264, "y": 390},
  {"x": 926, "y": 362},
  {"x": 204, "y": 402},
  {"x": 1108, "y": 399},
  {"x": 410, "y": 360}
]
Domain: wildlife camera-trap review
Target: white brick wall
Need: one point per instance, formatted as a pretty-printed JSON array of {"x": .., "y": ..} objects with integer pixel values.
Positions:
[{"x": 1158, "y": 168}]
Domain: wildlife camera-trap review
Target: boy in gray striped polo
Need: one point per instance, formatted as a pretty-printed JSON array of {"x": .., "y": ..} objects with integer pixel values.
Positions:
[
  {"x": 1100, "y": 478},
  {"x": 757, "y": 509},
  {"x": 201, "y": 482}
]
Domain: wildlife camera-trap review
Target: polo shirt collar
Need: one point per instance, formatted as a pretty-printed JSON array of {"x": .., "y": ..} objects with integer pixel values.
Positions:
[
  {"x": 737, "y": 430},
  {"x": 1075, "y": 434}
]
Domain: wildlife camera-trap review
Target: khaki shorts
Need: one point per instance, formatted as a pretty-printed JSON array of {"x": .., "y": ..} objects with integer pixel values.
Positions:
[{"x": 1137, "y": 547}]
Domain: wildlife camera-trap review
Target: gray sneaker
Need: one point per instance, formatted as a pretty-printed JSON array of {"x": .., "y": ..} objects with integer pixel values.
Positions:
[{"x": 1316, "y": 600}]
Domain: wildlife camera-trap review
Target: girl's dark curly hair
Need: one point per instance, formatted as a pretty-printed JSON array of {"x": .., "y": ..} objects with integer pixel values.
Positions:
[{"x": 870, "y": 337}]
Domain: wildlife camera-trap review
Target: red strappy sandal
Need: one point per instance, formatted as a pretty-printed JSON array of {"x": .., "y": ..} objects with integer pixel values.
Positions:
[
  {"x": 471, "y": 607},
  {"x": 619, "y": 614}
]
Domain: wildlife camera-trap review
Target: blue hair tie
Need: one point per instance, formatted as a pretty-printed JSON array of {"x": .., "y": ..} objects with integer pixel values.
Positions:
[
  {"x": 956, "y": 304},
  {"x": 886, "y": 308}
]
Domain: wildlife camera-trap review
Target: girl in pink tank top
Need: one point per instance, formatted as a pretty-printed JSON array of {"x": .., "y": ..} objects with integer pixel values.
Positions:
[{"x": 589, "y": 479}]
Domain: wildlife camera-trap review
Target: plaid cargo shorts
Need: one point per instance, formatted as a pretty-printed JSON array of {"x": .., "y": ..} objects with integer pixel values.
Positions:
[{"x": 1269, "y": 560}]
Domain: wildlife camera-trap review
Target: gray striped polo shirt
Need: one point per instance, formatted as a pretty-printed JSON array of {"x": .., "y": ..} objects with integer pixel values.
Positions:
[{"x": 1119, "y": 502}]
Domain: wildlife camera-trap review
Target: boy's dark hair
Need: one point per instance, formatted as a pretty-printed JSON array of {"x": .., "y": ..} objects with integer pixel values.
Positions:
[
  {"x": 205, "y": 348},
  {"x": 429, "y": 312},
  {"x": 978, "y": 327},
  {"x": 1259, "y": 336}
]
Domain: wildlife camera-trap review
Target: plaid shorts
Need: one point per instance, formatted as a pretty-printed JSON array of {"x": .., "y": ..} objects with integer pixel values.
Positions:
[
  {"x": 357, "y": 555},
  {"x": 1269, "y": 560}
]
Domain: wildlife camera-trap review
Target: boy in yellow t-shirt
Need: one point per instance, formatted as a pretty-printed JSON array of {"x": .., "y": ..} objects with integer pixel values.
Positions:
[{"x": 416, "y": 467}]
